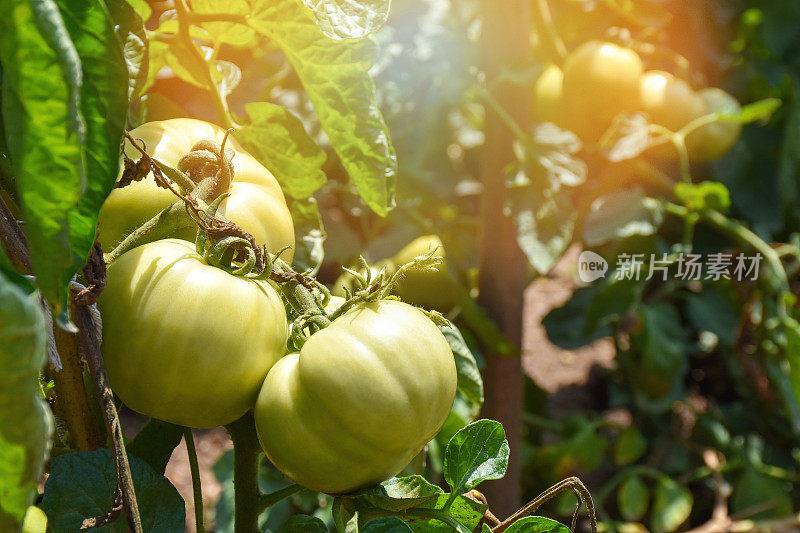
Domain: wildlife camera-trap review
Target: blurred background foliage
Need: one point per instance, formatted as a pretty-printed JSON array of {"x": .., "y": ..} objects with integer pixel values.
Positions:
[{"x": 696, "y": 413}]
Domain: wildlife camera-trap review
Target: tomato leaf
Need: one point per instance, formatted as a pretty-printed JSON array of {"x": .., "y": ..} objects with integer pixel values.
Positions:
[
  {"x": 155, "y": 443},
  {"x": 627, "y": 138},
  {"x": 755, "y": 490},
  {"x": 469, "y": 377},
  {"x": 336, "y": 78},
  {"x": 25, "y": 422},
  {"x": 309, "y": 234},
  {"x": 227, "y": 32},
  {"x": 791, "y": 332},
  {"x": 704, "y": 195},
  {"x": 537, "y": 524},
  {"x": 304, "y": 524},
  {"x": 64, "y": 109},
  {"x": 545, "y": 222},
  {"x": 710, "y": 311},
  {"x": 629, "y": 446},
  {"x": 346, "y": 19},
  {"x": 388, "y": 524},
  {"x": 632, "y": 498},
  {"x": 82, "y": 485},
  {"x": 133, "y": 35},
  {"x": 400, "y": 493},
  {"x": 757, "y": 111},
  {"x": 621, "y": 214},
  {"x": 278, "y": 140},
  {"x": 662, "y": 358},
  {"x": 671, "y": 506},
  {"x": 467, "y": 511},
  {"x": 568, "y": 326},
  {"x": 476, "y": 453}
]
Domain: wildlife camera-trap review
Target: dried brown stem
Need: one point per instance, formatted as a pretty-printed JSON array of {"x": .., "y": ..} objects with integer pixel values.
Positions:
[
  {"x": 572, "y": 483},
  {"x": 14, "y": 241},
  {"x": 109, "y": 517},
  {"x": 91, "y": 350}
]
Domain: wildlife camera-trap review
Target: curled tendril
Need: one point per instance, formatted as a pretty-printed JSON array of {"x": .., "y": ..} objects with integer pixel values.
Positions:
[{"x": 206, "y": 160}]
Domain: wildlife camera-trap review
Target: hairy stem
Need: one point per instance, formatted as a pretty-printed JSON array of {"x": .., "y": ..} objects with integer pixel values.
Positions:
[
  {"x": 265, "y": 501},
  {"x": 246, "y": 450},
  {"x": 165, "y": 223},
  {"x": 184, "y": 25}
]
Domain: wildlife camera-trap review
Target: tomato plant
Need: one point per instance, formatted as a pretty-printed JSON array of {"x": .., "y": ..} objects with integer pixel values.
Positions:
[{"x": 180, "y": 183}]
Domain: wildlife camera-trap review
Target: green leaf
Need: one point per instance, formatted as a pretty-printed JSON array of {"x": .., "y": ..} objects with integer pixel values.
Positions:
[
  {"x": 63, "y": 175},
  {"x": 537, "y": 524},
  {"x": 142, "y": 8},
  {"x": 155, "y": 443},
  {"x": 661, "y": 342},
  {"x": 627, "y": 138},
  {"x": 791, "y": 330},
  {"x": 711, "y": 311},
  {"x": 304, "y": 524},
  {"x": 632, "y": 498},
  {"x": 389, "y": 524},
  {"x": 469, "y": 377},
  {"x": 346, "y": 19},
  {"x": 400, "y": 493},
  {"x": 467, "y": 511},
  {"x": 25, "y": 421},
  {"x": 476, "y": 453},
  {"x": 82, "y": 485},
  {"x": 545, "y": 222},
  {"x": 227, "y": 32},
  {"x": 613, "y": 298},
  {"x": 133, "y": 35},
  {"x": 309, "y": 234},
  {"x": 621, "y": 214},
  {"x": 757, "y": 111},
  {"x": 629, "y": 446},
  {"x": 278, "y": 140},
  {"x": 705, "y": 195},
  {"x": 755, "y": 490},
  {"x": 672, "y": 505},
  {"x": 567, "y": 326},
  {"x": 335, "y": 76}
]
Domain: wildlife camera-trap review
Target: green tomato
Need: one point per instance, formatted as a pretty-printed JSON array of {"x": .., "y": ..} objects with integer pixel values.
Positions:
[
  {"x": 360, "y": 400},
  {"x": 256, "y": 202},
  {"x": 184, "y": 341},
  {"x": 669, "y": 101},
  {"x": 712, "y": 141},
  {"x": 431, "y": 289},
  {"x": 601, "y": 80}
]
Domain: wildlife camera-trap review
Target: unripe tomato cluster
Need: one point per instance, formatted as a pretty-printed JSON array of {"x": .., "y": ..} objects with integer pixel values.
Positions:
[
  {"x": 190, "y": 343},
  {"x": 600, "y": 81}
]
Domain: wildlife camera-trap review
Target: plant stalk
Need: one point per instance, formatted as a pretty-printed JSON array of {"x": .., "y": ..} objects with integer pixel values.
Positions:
[
  {"x": 91, "y": 348},
  {"x": 197, "y": 488},
  {"x": 247, "y": 495}
]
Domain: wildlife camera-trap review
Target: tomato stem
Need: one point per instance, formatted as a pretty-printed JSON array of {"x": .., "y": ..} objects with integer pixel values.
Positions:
[
  {"x": 246, "y": 450},
  {"x": 196, "y": 486},
  {"x": 265, "y": 501}
]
